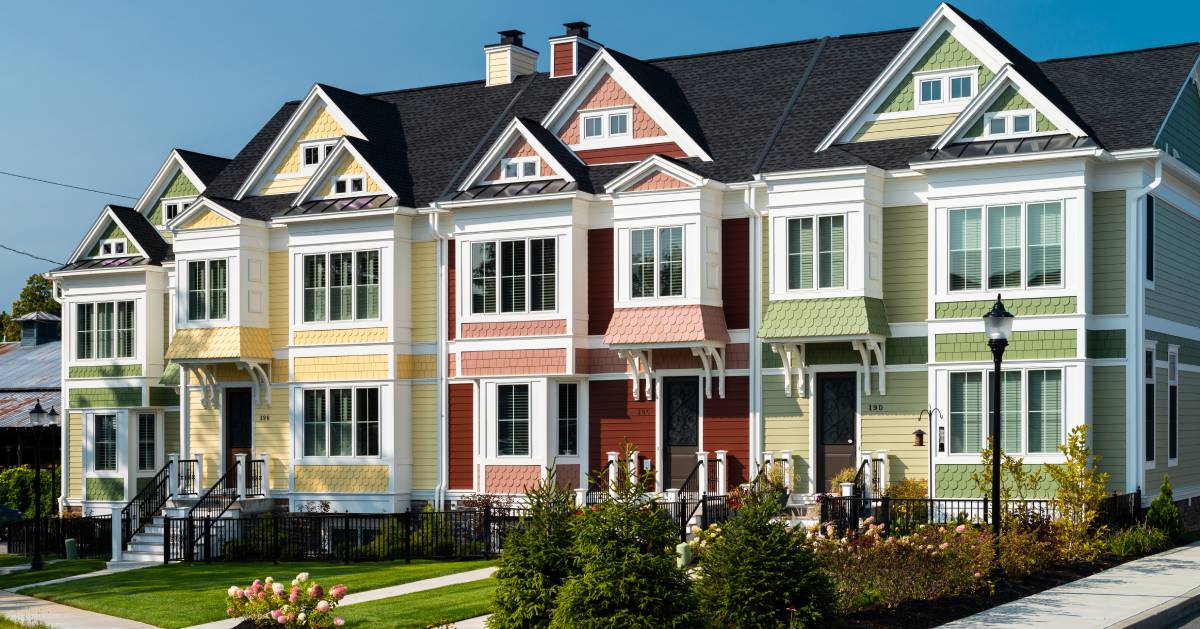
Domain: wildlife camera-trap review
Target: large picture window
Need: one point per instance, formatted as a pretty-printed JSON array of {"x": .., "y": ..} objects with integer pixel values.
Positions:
[
  {"x": 523, "y": 279},
  {"x": 104, "y": 443},
  {"x": 568, "y": 419},
  {"x": 104, "y": 330},
  {"x": 512, "y": 420},
  {"x": 1030, "y": 423},
  {"x": 341, "y": 286},
  {"x": 816, "y": 252},
  {"x": 656, "y": 262},
  {"x": 341, "y": 422},
  {"x": 1024, "y": 246},
  {"x": 208, "y": 290}
]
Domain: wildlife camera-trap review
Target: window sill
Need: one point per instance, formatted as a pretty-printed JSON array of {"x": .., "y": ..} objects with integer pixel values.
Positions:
[{"x": 511, "y": 317}]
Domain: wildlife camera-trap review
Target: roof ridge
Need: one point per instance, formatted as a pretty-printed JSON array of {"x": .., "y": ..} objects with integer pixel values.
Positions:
[
  {"x": 796, "y": 42},
  {"x": 425, "y": 87},
  {"x": 1121, "y": 52},
  {"x": 181, "y": 149}
]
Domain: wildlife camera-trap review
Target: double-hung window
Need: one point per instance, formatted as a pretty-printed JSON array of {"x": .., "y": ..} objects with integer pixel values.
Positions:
[
  {"x": 104, "y": 330},
  {"x": 607, "y": 124},
  {"x": 341, "y": 422},
  {"x": 522, "y": 280},
  {"x": 512, "y": 420},
  {"x": 656, "y": 262},
  {"x": 1030, "y": 423},
  {"x": 147, "y": 445},
  {"x": 816, "y": 252},
  {"x": 341, "y": 286},
  {"x": 568, "y": 419},
  {"x": 1015, "y": 257},
  {"x": 1172, "y": 405},
  {"x": 104, "y": 443},
  {"x": 208, "y": 290}
]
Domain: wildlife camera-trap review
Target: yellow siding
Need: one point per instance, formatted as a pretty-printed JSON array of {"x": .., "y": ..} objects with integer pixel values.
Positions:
[
  {"x": 207, "y": 218},
  {"x": 342, "y": 479},
  {"x": 323, "y": 126},
  {"x": 277, "y": 303},
  {"x": 341, "y": 337},
  {"x": 497, "y": 67},
  {"x": 346, "y": 167},
  {"x": 273, "y": 438},
  {"x": 903, "y": 127},
  {"x": 279, "y": 370},
  {"x": 424, "y": 291},
  {"x": 205, "y": 436},
  {"x": 75, "y": 454},
  {"x": 290, "y": 185},
  {"x": 424, "y": 436},
  {"x": 339, "y": 368},
  {"x": 416, "y": 366}
]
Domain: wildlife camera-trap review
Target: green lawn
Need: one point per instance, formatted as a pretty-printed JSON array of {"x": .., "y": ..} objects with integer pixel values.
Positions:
[
  {"x": 8, "y": 623},
  {"x": 185, "y": 594},
  {"x": 422, "y": 609},
  {"x": 50, "y": 571},
  {"x": 12, "y": 560}
]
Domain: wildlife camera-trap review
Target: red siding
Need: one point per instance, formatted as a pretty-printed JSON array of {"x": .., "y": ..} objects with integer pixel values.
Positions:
[
  {"x": 451, "y": 301},
  {"x": 585, "y": 53},
  {"x": 615, "y": 416},
  {"x": 600, "y": 279},
  {"x": 560, "y": 65},
  {"x": 462, "y": 440},
  {"x": 735, "y": 272},
  {"x": 727, "y": 426},
  {"x": 625, "y": 154}
]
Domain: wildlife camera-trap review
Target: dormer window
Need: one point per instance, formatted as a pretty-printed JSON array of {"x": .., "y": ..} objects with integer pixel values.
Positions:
[
  {"x": 349, "y": 185},
  {"x": 113, "y": 247},
  {"x": 606, "y": 124},
  {"x": 174, "y": 208},
  {"x": 313, "y": 153},
  {"x": 1007, "y": 123},
  {"x": 943, "y": 88},
  {"x": 519, "y": 168}
]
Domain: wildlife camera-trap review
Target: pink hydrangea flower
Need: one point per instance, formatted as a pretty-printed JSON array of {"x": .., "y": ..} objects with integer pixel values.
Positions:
[
  {"x": 322, "y": 606},
  {"x": 337, "y": 620},
  {"x": 277, "y": 588},
  {"x": 961, "y": 528},
  {"x": 315, "y": 591},
  {"x": 281, "y": 619},
  {"x": 337, "y": 592}
]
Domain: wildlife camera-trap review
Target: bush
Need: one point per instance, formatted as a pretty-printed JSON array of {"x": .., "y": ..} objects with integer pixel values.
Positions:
[
  {"x": 1080, "y": 488},
  {"x": 910, "y": 509},
  {"x": 757, "y": 573},
  {"x": 536, "y": 560},
  {"x": 268, "y": 603},
  {"x": 16, "y": 490},
  {"x": 1164, "y": 515},
  {"x": 845, "y": 475},
  {"x": 1139, "y": 540},
  {"x": 909, "y": 488}
]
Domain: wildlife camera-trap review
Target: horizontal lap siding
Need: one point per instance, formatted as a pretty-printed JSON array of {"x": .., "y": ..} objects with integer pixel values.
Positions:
[
  {"x": 1108, "y": 252},
  {"x": 564, "y": 61},
  {"x": 727, "y": 426},
  {"x": 424, "y": 436},
  {"x": 600, "y": 279},
  {"x": 786, "y": 426},
  {"x": 462, "y": 440},
  {"x": 888, "y": 422},
  {"x": 906, "y": 263},
  {"x": 735, "y": 272},
  {"x": 424, "y": 291},
  {"x": 278, "y": 275},
  {"x": 1174, "y": 295},
  {"x": 615, "y": 416},
  {"x": 205, "y": 437},
  {"x": 273, "y": 437}
]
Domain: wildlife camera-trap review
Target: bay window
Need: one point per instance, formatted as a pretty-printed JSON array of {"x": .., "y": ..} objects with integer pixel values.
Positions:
[
  {"x": 341, "y": 286},
  {"x": 656, "y": 262},
  {"x": 104, "y": 330},
  {"x": 523, "y": 280},
  {"x": 1019, "y": 236},
  {"x": 816, "y": 244},
  {"x": 104, "y": 443},
  {"x": 341, "y": 422},
  {"x": 1029, "y": 424},
  {"x": 512, "y": 420},
  {"x": 208, "y": 290}
]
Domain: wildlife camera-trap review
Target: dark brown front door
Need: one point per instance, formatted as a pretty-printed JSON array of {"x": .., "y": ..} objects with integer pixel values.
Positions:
[
  {"x": 836, "y": 411},
  {"x": 681, "y": 426},
  {"x": 239, "y": 424}
]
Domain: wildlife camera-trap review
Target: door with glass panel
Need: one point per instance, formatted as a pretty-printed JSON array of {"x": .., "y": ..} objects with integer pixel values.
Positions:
[
  {"x": 239, "y": 425},
  {"x": 837, "y": 411},
  {"x": 681, "y": 427}
]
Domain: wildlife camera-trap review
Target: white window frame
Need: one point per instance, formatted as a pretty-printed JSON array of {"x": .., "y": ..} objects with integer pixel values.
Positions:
[
  {"x": 1149, "y": 405},
  {"x": 627, "y": 265},
  {"x": 556, "y": 405},
  {"x": 1023, "y": 240},
  {"x": 1007, "y": 117},
  {"x": 1023, "y": 425},
  {"x": 90, "y": 443},
  {"x": 531, "y": 405},
  {"x": 159, "y": 442},
  {"x": 181, "y": 204},
  {"x": 605, "y": 115},
  {"x": 112, "y": 245},
  {"x": 946, "y": 102},
  {"x": 816, "y": 254},
  {"x": 324, "y": 148},
  {"x": 324, "y": 319},
  {"x": 353, "y": 457},
  {"x": 113, "y": 358},
  {"x": 208, "y": 289},
  {"x": 1173, "y": 388},
  {"x": 526, "y": 311},
  {"x": 349, "y": 180},
  {"x": 520, "y": 163}
]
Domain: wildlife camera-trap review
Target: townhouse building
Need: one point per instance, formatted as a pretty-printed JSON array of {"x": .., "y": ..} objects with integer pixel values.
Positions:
[{"x": 778, "y": 253}]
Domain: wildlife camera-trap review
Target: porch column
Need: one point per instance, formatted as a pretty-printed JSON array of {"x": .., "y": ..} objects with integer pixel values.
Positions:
[
  {"x": 199, "y": 458},
  {"x": 240, "y": 474},
  {"x": 266, "y": 474},
  {"x": 702, "y": 476},
  {"x": 117, "y": 547},
  {"x": 788, "y": 481},
  {"x": 632, "y": 464},
  {"x": 722, "y": 472},
  {"x": 581, "y": 497},
  {"x": 612, "y": 473},
  {"x": 173, "y": 474}
]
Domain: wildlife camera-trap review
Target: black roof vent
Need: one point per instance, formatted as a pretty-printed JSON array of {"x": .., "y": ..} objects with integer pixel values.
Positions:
[
  {"x": 512, "y": 36},
  {"x": 579, "y": 29}
]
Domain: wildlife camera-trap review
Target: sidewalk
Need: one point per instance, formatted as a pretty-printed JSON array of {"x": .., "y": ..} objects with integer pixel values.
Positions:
[
  {"x": 1125, "y": 596},
  {"x": 28, "y": 609}
]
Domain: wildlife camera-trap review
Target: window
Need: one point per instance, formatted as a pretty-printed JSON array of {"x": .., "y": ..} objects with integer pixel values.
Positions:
[
  {"x": 1035, "y": 428},
  {"x": 828, "y": 257},
  {"x": 1148, "y": 410},
  {"x": 1000, "y": 123},
  {"x": 104, "y": 440},
  {"x": 1005, "y": 255},
  {"x": 1045, "y": 411},
  {"x": 610, "y": 124},
  {"x": 656, "y": 262},
  {"x": 1172, "y": 404},
  {"x": 348, "y": 185},
  {"x": 618, "y": 124},
  {"x": 314, "y": 153},
  {"x": 208, "y": 290},
  {"x": 931, "y": 90},
  {"x": 147, "y": 450},
  {"x": 341, "y": 286},
  {"x": 525, "y": 276},
  {"x": 593, "y": 127},
  {"x": 174, "y": 208},
  {"x": 104, "y": 330},
  {"x": 943, "y": 88},
  {"x": 341, "y": 422},
  {"x": 966, "y": 412},
  {"x": 112, "y": 247},
  {"x": 1149, "y": 239},
  {"x": 520, "y": 168},
  {"x": 513, "y": 420},
  {"x": 568, "y": 419},
  {"x": 961, "y": 87}
]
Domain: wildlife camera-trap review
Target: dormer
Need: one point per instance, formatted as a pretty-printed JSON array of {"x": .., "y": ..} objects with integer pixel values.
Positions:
[
  {"x": 525, "y": 152},
  {"x": 120, "y": 237},
  {"x": 182, "y": 178},
  {"x": 345, "y": 173}
]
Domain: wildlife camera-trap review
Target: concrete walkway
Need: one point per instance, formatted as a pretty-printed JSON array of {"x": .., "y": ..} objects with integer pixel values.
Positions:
[
  {"x": 28, "y": 609},
  {"x": 1145, "y": 592},
  {"x": 478, "y": 622},
  {"x": 86, "y": 575}
]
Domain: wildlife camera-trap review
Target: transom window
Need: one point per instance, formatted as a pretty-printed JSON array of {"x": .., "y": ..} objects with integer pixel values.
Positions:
[
  {"x": 512, "y": 417},
  {"x": 104, "y": 330},
  {"x": 341, "y": 286},
  {"x": 104, "y": 443},
  {"x": 1029, "y": 424},
  {"x": 520, "y": 168},
  {"x": 1005, "y": 123},
  {"x": 1018, "y": 236},
  {"x": 610, "y": 124},
  {"x": 656, "y": 262},
  {"x": 313, "y": 153},
  {"x": 341, "y": 422},
  {"x": 147, "y": 448},
  {"x": 816, "y": 252},
  {"x": 568, "y": 419},
  {"x": 113, "y": 247},
  {"x": 946, "y": 87},
  {"x": 349, "y": 185},
  {"x": 208, "y": 290},
  {"x": 525, "y": 280}
]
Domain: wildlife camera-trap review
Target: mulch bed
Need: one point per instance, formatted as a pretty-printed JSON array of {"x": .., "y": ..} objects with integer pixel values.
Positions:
[{"x": 914, "y": 614}]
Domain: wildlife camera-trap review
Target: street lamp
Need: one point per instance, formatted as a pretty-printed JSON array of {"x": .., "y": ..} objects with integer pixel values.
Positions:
[
  {"x": 997, "y": 325},
  {"x": 39, "y": 419}
]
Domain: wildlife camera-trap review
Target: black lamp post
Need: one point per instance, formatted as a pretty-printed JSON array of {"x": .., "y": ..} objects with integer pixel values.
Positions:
[
  {"x": 998, "y": 325},
  {"x": 40, "y": 420}
]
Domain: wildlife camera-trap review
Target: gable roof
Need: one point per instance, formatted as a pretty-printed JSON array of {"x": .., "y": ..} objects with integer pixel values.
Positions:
[
  {"x": 146, "y": 236},
  {"x": 135, "y": 225},
  {"x": 206, "y": 167},
  {"x": 560, "y": 158},
  {"x": 1009, "y": 78}
]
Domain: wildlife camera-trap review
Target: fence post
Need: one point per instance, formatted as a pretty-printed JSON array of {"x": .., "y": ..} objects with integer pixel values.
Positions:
[
  {"x": 118, "y": 535},
  {"x": 240, "y": 475},
  {"x": 188, "y": 543},
  {"x": 166, "y": 540},
  {"x": 722, "y": 472},
  {"x": 199, "y": 457},
  {"x": 1137, "y": 504},
  {"x": 408, "y": 536},
  {"x": 346, "y": 524},
  {"x": 824, "y": 510},
  {"x": 986, "y": 520},
  {"x": 612, "y": 473},
  {"x": 207, "y": 540},
  {"x": 702, "y": 476},
  {"x": 173, "y": 474},
  {"x": 632, "y": 465},
  {"x": 487, "y": 532},
  {"x": 265, "y": 481}
]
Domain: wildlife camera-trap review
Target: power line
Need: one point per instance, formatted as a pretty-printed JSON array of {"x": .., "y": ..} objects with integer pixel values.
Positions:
[
  {"x": 66, "y": 185},
  {"x": 26, "y": 253}
]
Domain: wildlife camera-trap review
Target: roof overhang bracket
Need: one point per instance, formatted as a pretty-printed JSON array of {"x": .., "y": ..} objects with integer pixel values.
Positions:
[
  {"x": 208, "y": 387},
  {"x": 711, "y": 357},
  {"x": 261, "y": 385},
  {"x": 865, "y": 349},
  {"x": 639, "y": 361},
  {"x": 792, "y": 355}
]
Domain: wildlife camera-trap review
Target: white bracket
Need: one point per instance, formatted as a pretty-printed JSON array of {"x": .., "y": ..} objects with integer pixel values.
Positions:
[
  {"x": 865, "y": 349},
  {"x": 261, "y": 389},
  {"x": 639, "y": 361},
  {"x": 880, "y": 350},
  {"x": 793, "y": 357},
  {"x": 711, "y": 357},
  {"x": 865, "y": 355},
  {"x": 208, "y": 387}
]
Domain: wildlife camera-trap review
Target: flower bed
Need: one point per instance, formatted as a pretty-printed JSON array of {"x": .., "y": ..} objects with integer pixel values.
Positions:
[{"x": 270, "y": 603}]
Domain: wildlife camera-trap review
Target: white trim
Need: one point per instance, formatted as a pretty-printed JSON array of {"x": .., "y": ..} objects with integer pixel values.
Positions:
[
  {"x": 113, "y": 244},
  {"x": 93, "y": 236},
  {"x": 655, "y": 162},
  {"x": 606, "y": 137},
  {"x": 195, "y": 208},
  {"x": 1005, "y": 78},
  {"x": 946, "y": 104},
  {"x": 162, "y": 178},
  {"x": 1149, "y": 347},
  {"x": 325, "y": 168},
  {"x": 496, "y": 152}
]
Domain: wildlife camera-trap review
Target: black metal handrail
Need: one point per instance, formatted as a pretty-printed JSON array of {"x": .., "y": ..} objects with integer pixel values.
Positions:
[
  {"x": 597, "y": 485},
  {"x": 146, "y": 504},
  {"x": 255, "y": 472},
  {"x": 189, "y": 477},
  {"x": 210, "y": 507},
  {"x": 860, "y": 484},
  {"x": 691, "y": 484}
]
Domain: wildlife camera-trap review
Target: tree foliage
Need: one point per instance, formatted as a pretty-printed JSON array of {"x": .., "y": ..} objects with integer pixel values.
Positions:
[
  {"x": 1080, "y": 488},
  {"x": 1164, "y": 514},
  {"x": 16, "y": 490},
  {"x": 36, "y": 296}
]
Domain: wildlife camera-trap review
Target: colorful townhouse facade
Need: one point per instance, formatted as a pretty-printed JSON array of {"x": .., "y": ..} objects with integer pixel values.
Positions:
[{"x": 771, "y": 254}]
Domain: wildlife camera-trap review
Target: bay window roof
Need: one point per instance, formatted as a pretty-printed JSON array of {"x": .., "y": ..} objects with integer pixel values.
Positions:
[
  {"x": 665, "y": 326},
  {"x": 827, "y": 318}
]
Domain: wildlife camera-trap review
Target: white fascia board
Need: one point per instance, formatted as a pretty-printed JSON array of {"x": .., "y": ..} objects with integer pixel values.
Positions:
[
  {"x": 328, "y": 164},
  {"x": 1007, "y": 77},
  {"x": 164, "y": 174},
  {"x": 204, "y": 203},
  {"x": 104, "y": 271},
  {"x": 648, "y": 165},
  {"x": 961, "y": 30},
  {"x": 94, "y": 233},
  {"x": 922, "y": 167},
  {"x": 303, "y": 218},
  {"x": 290, "y": 128},
  {"x": 818, "y": 173},
  {"x": 515, "y": 127}
]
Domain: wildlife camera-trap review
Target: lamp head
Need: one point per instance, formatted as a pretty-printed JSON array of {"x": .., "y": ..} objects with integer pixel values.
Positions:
[
  {"x": 998, "y": 323},
  {"x": 37, "y": 415}
]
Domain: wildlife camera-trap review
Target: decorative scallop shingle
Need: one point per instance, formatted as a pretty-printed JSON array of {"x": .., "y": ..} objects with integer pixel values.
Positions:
[
  {"x": 227, "y": 342},
  {"x": 830, "y": 316},
  {"x": 666, "y": 324}
]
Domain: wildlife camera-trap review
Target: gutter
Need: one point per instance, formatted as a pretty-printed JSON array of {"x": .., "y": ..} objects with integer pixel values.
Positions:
[
  {"x": 1136, "y": 304},
  {"x": 442, "y": 439}
]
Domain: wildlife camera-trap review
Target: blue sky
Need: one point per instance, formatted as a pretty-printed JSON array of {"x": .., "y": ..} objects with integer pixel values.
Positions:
[{"x": 96, "y": 93}]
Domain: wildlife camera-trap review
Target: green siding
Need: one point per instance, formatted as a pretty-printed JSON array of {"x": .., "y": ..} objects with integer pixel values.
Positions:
[
  {"x": 1009, "y": 100},
  {"x": 105, "y": 371},
  {"x": 1181, "y": 130},
  {"x": 1174, "y": 295},
  {"x": 971, "y": 346},
  {"x": 106, "y": 489},
  {"x": 163, "y": 396},
  {"x": 1189, "y": 349},
  {"x": 907, "y": 350},
  {"x": 179, "y": 186},
  {"x": 906, "y": 263},
  {"x": 170, "y": 375},
  {"x": 954, "y": 481},
  {"x": 946, "y": 53},
  {"x": 832, "y": 316},
  {"x": 112, "y": 397},
  {"x": 1019, "y": 307},
  {"x": 888, "y": 422},
  {"x": 113, "y": 232},
  {"x": 786, "y": 426},
  {"x": 171, "y": 433},
  {"x": 1108, "y": 252},
  {"x": 1106, "y": 343},
  {"x": 1108, "y": 423}
]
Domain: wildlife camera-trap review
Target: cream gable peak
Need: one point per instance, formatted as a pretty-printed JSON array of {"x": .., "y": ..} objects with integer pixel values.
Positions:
[{"x": 196, "y": 216}]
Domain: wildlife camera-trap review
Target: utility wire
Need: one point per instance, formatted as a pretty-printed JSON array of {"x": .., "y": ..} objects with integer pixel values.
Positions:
[
  {"x": 26, "y": 253},
  {"x": 66, "y": 185}
]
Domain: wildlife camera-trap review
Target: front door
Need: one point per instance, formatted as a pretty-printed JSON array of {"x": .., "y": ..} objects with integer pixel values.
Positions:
[
  {"x": 681, "y": 425},
  {"x": 239, "y": 424},
  {"x": 836, "y": 410}
]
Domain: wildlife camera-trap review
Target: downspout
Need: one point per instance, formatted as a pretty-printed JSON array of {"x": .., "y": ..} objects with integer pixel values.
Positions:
[
  {"x": 65, "y": 417},
  {"x": 442, "y": 440},
  {"x": 756, "y": 418},
  {"x": 1136, "y": 292}
]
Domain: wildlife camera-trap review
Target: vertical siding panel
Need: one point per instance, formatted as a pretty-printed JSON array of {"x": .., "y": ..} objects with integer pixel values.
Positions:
[
  {"x": 462, "y": 440},
  {"x": 727, "y": 426},
  {"x": 600, "y": 279},
  {"x": 735, "y": 272}
]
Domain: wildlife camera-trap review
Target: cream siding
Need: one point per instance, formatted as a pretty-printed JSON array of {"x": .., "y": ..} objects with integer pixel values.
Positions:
[
  {"x": 75, "y": 455},
  {"x": 424, "y": 292},
  {"x": 907, "y": 127},
  {"x": 205, "y": 436},
  {"x": 273, "y": 438},
  {"x": 891, "y": 427},
  {"x": 278, "y": 276},
  {"x": 424, "y": 436}
]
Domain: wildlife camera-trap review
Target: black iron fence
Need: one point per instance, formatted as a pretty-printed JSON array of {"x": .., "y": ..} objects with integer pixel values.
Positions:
[
  {"x": 189, "y": 477},
  {"x": 255, "y": 471},
  {"x": 465, "y": 534},
  {"x": 92, "y": 535},
  {"x": 145, "y": 505}
]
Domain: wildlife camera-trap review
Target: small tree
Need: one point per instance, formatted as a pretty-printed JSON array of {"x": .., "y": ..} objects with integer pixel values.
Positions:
[
  {"x": 36, "y": 296},
  {"x": 1164, "y": 514},
  {"x": 1015, "y": 482},
  {"x": 1080, "y": 488},
  {"x": 757, "y": 573},
  {"x": 536, "y": 560}
]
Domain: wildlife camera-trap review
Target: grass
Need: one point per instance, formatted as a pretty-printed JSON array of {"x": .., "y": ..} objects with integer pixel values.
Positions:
[
  {"x": 423, "y": 609},
  {"x": 50, "y": 571},
  {"x": 185, "y": 594},
  {"x": 8, "y": 623},
  {"x": 12, "y": 560}
]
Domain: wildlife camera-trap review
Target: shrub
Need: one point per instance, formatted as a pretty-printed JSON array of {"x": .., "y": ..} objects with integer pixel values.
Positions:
[
  {"x": 1080, "y": 488},
  {"x": 845, "y": 475},
  {"x": 1139, "y": 540},
  {"x": 536, "y": 560},
  {"x": 757, "y": 573},
  {"x": 909, "y": 488},
  {"x": 1164, "y": 515},
  {"x": 16, "y": 490},
  {"x": 269, "y": 603},
  {"x": 910, "y": 508}
]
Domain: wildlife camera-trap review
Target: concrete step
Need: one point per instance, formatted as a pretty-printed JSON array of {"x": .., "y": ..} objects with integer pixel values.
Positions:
[
  {"x": 142, "y": 557},
  {"x": 129, "y": 564},
  {"x": 153, "y": 549}
]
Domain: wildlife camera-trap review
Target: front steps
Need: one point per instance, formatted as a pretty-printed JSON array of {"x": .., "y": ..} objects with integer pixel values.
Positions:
[{"x": 147, "y": 547}]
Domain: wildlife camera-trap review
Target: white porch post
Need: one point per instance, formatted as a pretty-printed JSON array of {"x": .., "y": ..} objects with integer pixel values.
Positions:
[
  {"x": 117, "y": 546},
  {"x": 581, "y": 496},
  {"x": 786, "y": 455},
  {"x": 612, "y": 473},
  {"x": 266, "y": 474},
  {"x": 722, "y": 472},
  {"x": 702, "y": 477},
  {"x": 240, "y": 474},
  {"x": 199, "y": 457},
  {"x": 173, "y": 474},
  {"x": 632, "y": 465}
]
